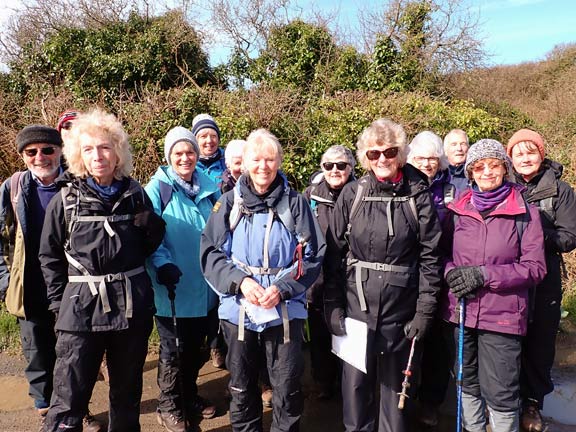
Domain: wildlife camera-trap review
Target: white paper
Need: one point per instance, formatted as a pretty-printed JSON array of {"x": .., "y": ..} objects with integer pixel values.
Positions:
[
  {"x": 352, "y": 346},
  {"x": 257, "y": 314}
]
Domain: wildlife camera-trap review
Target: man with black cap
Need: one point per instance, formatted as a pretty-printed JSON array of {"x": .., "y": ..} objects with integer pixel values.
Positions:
[{"x": 23, "y": 201}]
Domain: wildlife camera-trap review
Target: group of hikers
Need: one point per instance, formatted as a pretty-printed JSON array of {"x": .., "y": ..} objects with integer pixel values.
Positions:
[{"x": 449, "y": 255}]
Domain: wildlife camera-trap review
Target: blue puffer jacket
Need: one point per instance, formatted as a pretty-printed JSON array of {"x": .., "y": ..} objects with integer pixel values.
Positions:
[
  {"x": 185, "y": 219},
  {"x": 220, "y": 246},
  {"x": 215, "y": 169}
]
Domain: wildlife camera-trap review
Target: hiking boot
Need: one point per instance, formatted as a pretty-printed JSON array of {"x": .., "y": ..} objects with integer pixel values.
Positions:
[
  {"x": 428, "y": 415},
  {"x": 104, "y": 371},
  {"x": 218, "y": 359},
  {"x": 172, "y": 422},
  {"x": 90, "y": 424},
  {"x": 267, "y": 396},
  {"x": 531, "y": 419},
  {"x": 42, "y": 413},
  {"x": 201, "y": 407}
]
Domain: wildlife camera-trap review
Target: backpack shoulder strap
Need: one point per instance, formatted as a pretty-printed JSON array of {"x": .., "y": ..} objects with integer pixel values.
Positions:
[
  {"x": 448, "y": 192},
  {"x": 546, "y": 207},
  {"x": 70, "y": 201},
  {"x": 285, "y": 214},
  {"x": 237, "y": 210},
  {"x": 15, "y": 190},
  {"x": 165, "y": 195}
]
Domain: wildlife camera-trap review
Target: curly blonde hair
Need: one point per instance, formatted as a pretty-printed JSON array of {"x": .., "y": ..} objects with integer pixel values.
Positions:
[
  {"x": 382, "y": 132},
  {"x": 98, "y": 123}
]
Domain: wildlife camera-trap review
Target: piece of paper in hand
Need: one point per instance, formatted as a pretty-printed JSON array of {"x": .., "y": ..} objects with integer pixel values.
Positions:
[
  {"x": 257, "y": 314},
  {"x": 352, "y": 346}
]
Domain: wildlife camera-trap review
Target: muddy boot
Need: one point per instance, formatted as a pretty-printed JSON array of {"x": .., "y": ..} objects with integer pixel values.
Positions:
[
  {"x": 90, "y": 424},
  {"x": 172, "y": 422},
  {"x": 531, "y": 419},
  {"x": 218, "y": 359},
  {"x": 267, "y": 396},
  {"x": 104, "y": 371},
  {"x": 201, "y": 407},
  {"x": 42, "y": 413}
]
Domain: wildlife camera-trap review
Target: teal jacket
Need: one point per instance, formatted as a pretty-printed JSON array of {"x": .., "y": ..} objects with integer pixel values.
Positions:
[{"x": 185, "y": 219}]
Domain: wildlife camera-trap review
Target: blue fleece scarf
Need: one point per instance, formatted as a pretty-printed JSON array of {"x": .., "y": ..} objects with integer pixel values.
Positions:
[{"x": 191, "y": 188}]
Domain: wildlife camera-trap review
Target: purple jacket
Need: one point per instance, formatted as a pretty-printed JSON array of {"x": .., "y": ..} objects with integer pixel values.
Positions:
[{"x": 510, "y": 269}]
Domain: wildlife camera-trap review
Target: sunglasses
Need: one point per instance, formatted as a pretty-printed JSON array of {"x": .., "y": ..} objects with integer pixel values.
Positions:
[
  {"x": 479, "y": 168},
  {"x": 340, "y": 166},
  {"x": 389, "y": 153},
  {"x": 34, "y": 151}
]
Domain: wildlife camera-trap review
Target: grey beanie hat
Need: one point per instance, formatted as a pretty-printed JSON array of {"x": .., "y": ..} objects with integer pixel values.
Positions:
[
  {"x": 177, "y": 134},
  {"x": 486, "y": 149},
  {"x": 37, "y": 134}
]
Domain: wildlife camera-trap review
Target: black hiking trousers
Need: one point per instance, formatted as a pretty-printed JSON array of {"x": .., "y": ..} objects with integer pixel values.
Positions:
[
  {"x": 79, "y": 355},
  {"x": 285, "y": 362}
]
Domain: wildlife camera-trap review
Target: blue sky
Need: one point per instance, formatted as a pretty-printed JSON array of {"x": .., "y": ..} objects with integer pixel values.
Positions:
[{"x": 514, "y": 31}]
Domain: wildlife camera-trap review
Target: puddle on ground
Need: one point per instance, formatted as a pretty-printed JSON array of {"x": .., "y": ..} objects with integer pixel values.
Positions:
[{"x": 14, "y": 394}]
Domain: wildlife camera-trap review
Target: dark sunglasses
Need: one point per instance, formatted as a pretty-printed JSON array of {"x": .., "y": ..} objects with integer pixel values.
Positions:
[
  {"x": 340, "y": 166},
  {"x": 389, "y": 153},
  {"x": 34, "y": 151}
]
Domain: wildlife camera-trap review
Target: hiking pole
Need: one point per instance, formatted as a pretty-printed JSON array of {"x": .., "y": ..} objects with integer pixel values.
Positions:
[
  {"x": 461, "y": 318},
  {"x": 172, "y": 297},
  {"x": 407, "y": 373}
]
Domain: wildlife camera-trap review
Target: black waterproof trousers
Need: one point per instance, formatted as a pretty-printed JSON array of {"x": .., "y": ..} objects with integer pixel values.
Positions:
[
  {"x": 325, "y": 365},
  {"x": 192, "y": 333},
  {"x": 359, "y": 393},
  {"x": 285, "y": 363},
  {"x": 39, "y": 347},
  {"x": 79, "y": 355}
]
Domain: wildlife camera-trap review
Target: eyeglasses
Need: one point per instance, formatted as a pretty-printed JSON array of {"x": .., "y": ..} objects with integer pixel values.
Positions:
[
  {"x": 478, "y": 168},
  {"x": 44, "y": 150},
  {"x": 389, "y": 153},
  {"x": 422, "y": 159},
  {"x": 340, "y": 166}
]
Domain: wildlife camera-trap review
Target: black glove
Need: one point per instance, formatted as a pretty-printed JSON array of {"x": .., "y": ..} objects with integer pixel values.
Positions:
[
  {"x": 169, "y": 275},
  {"x": 419, "y": 326},
  {"x": 334, "y": 317},
  {"x": 463, "y": 281}
]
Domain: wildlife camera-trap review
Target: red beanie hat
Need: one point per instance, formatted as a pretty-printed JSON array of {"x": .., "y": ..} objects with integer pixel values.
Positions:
[
  {"x": 526, "y": 135},
  {"x": 65, "y": 117}
]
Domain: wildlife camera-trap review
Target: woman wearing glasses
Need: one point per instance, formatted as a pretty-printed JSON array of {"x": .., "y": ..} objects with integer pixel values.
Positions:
[
  {"x": 382, "y": 268},
  {"x": 337, "y": 166},
  {"x": 497, "y": 257}
]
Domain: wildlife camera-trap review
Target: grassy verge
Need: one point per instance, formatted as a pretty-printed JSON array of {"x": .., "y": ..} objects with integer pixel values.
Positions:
[{"x": 9, "y": 332}]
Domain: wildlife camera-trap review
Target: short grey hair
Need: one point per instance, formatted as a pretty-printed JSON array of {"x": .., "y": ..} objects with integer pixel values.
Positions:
[
  {"x": 382, "y": 132},
  {"x": 429, "y": 140},
  {"x": 455, "y": 132},
  {"x": 260, "y": 138},
  {"x": 234, "y": 149},
  {"x": 336, "y": 152}
]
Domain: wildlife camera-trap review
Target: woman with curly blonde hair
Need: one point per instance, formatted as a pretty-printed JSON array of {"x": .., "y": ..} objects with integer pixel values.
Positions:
[{"x": 97, "y": 234}]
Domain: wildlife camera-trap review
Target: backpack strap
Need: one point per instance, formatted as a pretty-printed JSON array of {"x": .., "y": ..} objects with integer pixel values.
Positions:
[
  {"x": 165, "y": 195},
  {"x": 448, "y": 192},
  {"x": 546, "y": 207},
  {"x": 15, "y": 190}
]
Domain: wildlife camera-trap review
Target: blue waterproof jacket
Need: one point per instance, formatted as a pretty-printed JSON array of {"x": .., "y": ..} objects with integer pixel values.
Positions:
[
  {"x": 185, "y": 219},
  {"x": 214, "y": 170},
  {"x": 223, "y": 251}
]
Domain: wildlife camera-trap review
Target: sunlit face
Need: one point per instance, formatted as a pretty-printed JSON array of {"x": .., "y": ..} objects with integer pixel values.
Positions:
[
  {"x": 336, "y": 172},
  {"x": 99, "y": 157},
  {"x": 235, "y": 166},
  {"x": 488, "y": 174},
  {"x": 456, "y": 149},
  {"x": 526, "y": 159},
  {"x": 425, "y": 159},
  {"x": 207, "y": 141},
  {"x": 384, "y": 167},
  {"x": 262, "y": 165},
  {"x": 183, "y": 159},
  {"x": 43, "y": 160}
]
